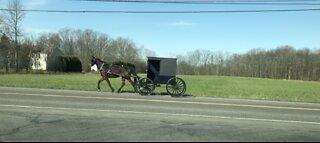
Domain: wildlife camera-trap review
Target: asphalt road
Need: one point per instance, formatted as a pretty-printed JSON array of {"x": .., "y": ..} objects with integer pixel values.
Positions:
[{"x": 63, "y": 115}]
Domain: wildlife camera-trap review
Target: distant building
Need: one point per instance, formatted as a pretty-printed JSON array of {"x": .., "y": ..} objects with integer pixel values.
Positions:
[
  {"x": 51, "y": 59},
  {"x": 44, "y": 61},
  {"x": 39, "y": 62}
]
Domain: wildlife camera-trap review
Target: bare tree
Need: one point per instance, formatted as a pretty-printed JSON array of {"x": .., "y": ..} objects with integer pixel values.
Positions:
[
  {"x": 27, "y": 51},
  {"x": 68, "y": 41},
  {"x": 13, "y": 19},
  {"x": 124, "y": 49},
  {"x": 1, "y": 24},
  {"x": 146, "y": 53},
  {"x": 4, "y": 51}
]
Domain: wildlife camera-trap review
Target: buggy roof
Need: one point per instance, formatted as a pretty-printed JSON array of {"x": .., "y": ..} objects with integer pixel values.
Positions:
[{"x": 160, "y": 58}]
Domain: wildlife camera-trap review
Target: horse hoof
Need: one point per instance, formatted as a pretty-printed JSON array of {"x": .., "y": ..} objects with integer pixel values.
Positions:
[{"x": 99, "y": 90}]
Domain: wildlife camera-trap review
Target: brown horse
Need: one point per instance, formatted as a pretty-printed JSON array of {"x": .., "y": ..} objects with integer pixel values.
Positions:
[{"x": 113, "y": 71}]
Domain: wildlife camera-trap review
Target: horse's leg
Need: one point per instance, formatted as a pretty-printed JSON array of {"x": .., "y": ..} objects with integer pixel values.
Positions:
[
  {"x": 99, "y": 84},
  {"x": 108, "y": 81},
  {"x": 122, "y": 84},
  {"x": 132, "y": 83}
]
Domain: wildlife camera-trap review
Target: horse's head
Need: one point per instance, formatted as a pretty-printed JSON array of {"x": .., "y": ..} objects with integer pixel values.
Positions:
[
  {"x": 93, "y": 61},
  {"x": 96, "y": 61}
]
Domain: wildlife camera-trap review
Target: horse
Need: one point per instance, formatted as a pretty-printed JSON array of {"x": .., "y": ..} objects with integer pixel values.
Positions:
[{"x": 114, "y": 71}]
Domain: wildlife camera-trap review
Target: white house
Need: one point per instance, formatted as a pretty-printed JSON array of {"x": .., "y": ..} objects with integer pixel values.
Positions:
[
  {"x": 39, "y": 62},
  {"x": 45, "y": 61}
]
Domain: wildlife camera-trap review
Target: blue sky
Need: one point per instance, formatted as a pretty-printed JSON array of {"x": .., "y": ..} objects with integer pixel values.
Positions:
[{"x": 176, "y": 34}]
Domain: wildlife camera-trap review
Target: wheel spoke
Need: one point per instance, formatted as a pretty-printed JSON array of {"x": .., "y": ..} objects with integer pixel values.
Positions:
[
  {"x": 145, "y": 86},
  {"x": 176, "y": 87}
]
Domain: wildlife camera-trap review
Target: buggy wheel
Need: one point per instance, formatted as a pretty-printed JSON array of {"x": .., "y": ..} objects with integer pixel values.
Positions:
[
  {"x": 176, "y": 87},
  {"x": 145, "y": 86}
]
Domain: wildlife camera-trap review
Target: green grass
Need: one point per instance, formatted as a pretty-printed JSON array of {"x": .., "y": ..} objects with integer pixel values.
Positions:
[
  {"x": 253, "y": 88},
  {"x": 205, "y": 86}
]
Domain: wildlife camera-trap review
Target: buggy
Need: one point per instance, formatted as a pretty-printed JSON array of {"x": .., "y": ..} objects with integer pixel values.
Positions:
[{"x": 161, "y": 71}]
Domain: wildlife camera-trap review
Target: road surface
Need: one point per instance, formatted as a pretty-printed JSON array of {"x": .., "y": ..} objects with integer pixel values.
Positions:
[{"x": 28, "y": 114}]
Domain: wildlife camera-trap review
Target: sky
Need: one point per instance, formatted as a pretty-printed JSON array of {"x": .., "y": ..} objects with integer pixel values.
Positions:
[{"x": 169, "y": 35}]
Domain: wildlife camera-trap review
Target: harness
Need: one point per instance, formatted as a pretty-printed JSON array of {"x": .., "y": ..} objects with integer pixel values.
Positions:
[
  {"x": 109, "y": 69},
  {"x": 101, "y": 68}
]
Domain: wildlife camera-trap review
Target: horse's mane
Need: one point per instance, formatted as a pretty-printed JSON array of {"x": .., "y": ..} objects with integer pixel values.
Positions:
[
  {"x": 97, "y": 59},
  {"x": 120, "y": 63},
  {"x": 124, "y": 64}
]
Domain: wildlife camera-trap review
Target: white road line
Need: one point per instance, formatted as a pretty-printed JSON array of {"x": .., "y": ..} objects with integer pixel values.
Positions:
[
  {"x": 159, "y": 113},
  {"x": 165, "y": 101}
]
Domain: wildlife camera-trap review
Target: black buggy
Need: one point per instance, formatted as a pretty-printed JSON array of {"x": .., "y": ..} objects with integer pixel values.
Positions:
[{"x": 161, "y": 71}]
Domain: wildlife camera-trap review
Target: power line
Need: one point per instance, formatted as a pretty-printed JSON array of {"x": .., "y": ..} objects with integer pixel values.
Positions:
[
  {"x": 227, "y": 2},
  {"x": 213, "y": 1},
  {"x": 261, "y": 2},
  {"x": 165, "y": 12}
]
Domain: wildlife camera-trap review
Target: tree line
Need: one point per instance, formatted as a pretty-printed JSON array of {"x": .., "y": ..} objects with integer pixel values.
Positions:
[
  {"x": 16, "y": 52},
  {"x": 284, "y": 62},
  {"x": 73, "y": 43},
  {"x": 87, "y": 43}
]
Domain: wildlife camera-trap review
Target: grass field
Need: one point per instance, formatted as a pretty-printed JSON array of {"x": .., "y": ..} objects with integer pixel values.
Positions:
[{"x": 206, "y": 86}]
